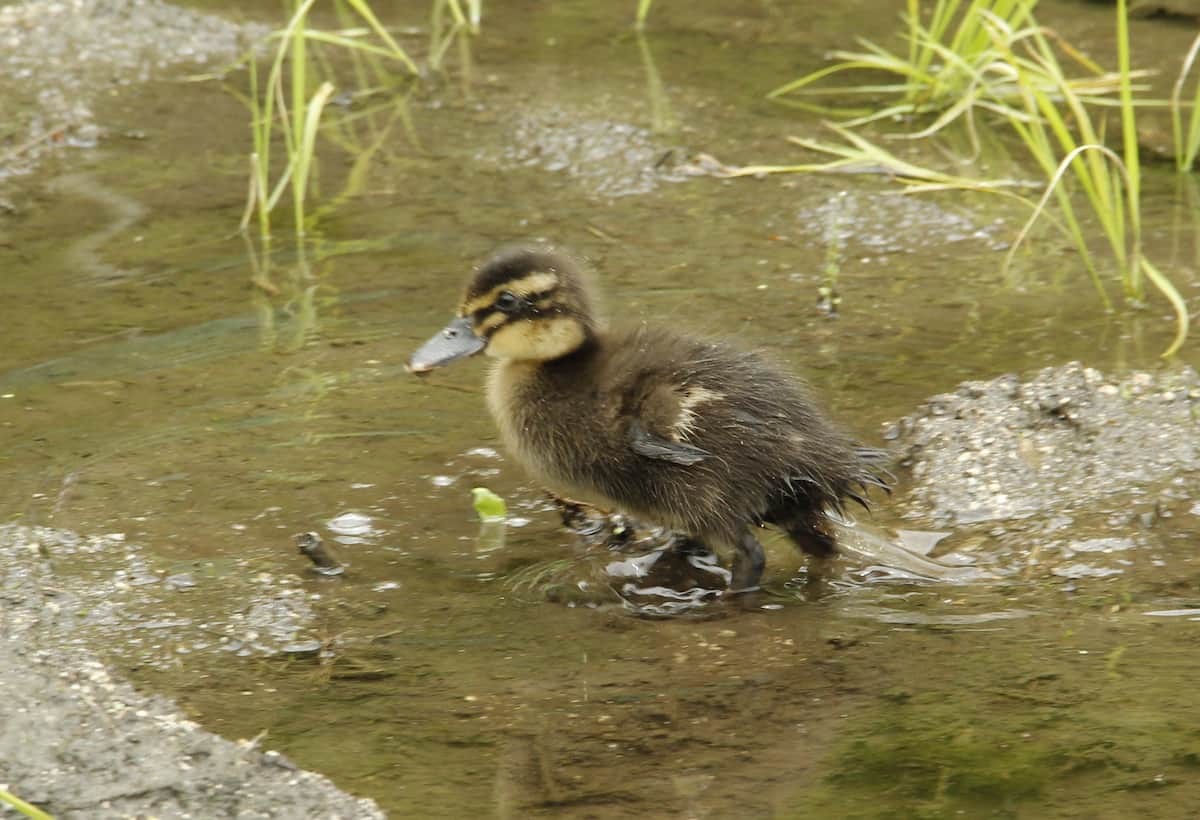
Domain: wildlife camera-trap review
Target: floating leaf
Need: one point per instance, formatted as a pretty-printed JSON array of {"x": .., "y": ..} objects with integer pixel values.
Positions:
[{"x": 490, "y": 506}]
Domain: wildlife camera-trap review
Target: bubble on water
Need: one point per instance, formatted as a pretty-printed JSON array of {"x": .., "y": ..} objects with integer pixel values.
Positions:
[{"x": 352, "y": 528}]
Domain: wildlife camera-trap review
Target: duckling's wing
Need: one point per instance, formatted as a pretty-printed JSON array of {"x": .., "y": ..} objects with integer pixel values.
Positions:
[{"x": 647, "y": 444}]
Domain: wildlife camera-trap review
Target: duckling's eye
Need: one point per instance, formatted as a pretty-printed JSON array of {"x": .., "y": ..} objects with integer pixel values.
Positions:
[{"x": 507, "y": 301}]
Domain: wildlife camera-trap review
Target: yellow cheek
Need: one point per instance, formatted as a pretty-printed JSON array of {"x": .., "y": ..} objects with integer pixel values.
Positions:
[{"x": 541, "y": 340}]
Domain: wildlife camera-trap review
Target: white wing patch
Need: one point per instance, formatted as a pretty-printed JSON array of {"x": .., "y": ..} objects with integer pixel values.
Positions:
[{"x": 685, "y": 424}]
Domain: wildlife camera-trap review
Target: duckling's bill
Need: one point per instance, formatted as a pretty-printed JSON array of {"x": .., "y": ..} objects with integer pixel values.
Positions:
[{"x": 455, "y": 341}]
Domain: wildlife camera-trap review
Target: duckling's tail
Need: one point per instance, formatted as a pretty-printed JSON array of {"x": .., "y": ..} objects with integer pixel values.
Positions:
[
  {"x": 872, "y": 455},
  {"x": 873, "y": 472}
]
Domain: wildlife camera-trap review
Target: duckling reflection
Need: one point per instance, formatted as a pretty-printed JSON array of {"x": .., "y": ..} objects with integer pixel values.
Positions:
[{"x": 692, "y": 434}]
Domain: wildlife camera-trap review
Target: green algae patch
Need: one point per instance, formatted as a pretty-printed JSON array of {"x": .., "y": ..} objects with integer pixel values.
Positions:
[
  {"x": 1000, "y": 735},
  {"x": 930, "y": 755}
]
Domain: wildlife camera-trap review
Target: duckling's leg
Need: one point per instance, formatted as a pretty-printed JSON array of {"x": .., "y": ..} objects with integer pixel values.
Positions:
[
  {"x": 689, "y": 545},
  {"x": 748, "y": 564},
  {"x": 809, "y": 531}
]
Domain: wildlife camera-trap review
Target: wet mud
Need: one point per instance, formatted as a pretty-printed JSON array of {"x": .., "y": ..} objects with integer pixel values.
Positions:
[
  {"x": 78, "y": 741},
  {"x": 1010, "y": 448}
]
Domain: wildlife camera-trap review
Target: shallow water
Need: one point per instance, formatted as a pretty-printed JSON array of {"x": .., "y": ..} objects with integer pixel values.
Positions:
[{"x": 187, "y": 424}]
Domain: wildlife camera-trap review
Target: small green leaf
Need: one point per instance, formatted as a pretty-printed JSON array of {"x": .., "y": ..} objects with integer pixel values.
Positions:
[{"x": 490, "y": 506}]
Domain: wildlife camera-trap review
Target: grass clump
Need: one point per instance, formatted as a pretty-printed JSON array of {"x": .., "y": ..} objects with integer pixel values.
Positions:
[
  {"x": 289, "y": 105},
  {"x": 948, "y": 70},
  {"x": 990, "y": 58},
  {"x": 1063, "y": 125},
  {"x": 286, "y": 101}
]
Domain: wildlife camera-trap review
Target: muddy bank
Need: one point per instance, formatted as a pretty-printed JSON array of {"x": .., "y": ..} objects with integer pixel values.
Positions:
[
  {"x": 1057, "y": 442},
  {"x": 151, "y": 611},
  {"x": 77, "y": 742},
  {"x": 57, "y": 59}
]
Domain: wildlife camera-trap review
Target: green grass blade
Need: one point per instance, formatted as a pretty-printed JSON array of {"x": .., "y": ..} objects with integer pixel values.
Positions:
[
  {"x": 475, "y": 14},
  {"x": 643, "y": 11},
  {"x": 1132, "y": 171},
  {"x": 1168, "y": 290},
  {"x": 307, "y": 150},
  {"x": 399, "y": 53},
  {"x": 1187, "y": 144},
  {"x": 333, "y": 38},
  {"x": 1053, "y": 188},
  {"x": 861, "y": 62},
  {"x": 28, "y": 809}
]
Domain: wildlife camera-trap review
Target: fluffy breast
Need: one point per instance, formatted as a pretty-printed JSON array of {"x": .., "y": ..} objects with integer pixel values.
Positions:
[
  {"x": 558, "y": 435},
  {"x": 508, "y": 383}
]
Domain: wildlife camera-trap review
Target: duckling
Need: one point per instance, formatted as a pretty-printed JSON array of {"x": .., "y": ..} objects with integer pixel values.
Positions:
[{"x": 689, "y": 433}]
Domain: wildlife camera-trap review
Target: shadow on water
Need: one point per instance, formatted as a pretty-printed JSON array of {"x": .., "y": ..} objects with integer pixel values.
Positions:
[{"x": 168, "y": 426}]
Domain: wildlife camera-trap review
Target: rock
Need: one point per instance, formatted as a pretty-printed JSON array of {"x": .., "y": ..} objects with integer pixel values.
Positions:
[{"x": 1004, "y": 448}]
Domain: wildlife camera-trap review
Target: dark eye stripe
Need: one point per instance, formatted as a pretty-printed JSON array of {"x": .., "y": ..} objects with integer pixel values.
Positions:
[
  {"x": 481, "y": 315},
  {"x": 526, "y": 298}
]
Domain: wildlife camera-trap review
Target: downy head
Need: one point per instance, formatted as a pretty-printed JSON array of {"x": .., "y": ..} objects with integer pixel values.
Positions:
[{"x": 523, "y": 303}]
